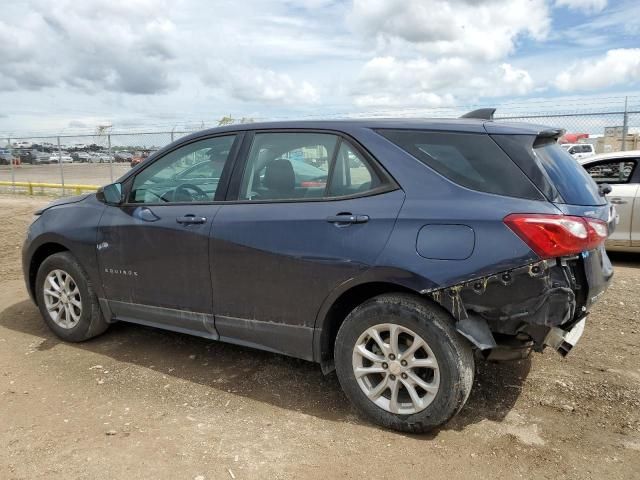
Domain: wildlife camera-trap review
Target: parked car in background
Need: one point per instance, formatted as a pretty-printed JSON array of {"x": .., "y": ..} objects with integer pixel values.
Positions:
[
  {"x": 41, "y": 158},
  {"x": 104, "y": 158},
  {"x": 123, "y": 156},
  {"x": 92, "y": 157},
  {"x": 430, "y": 245},
  {"x": 6, "y": 157},
  {"x": 34, "y": 157},
  {"x": 138, "y": 157},
  {"x": 621, "y": 171},
  {"x": 82, "y": 157},
  {"x": 579, "y": 150},
  {"x": 57, "y": 158}
]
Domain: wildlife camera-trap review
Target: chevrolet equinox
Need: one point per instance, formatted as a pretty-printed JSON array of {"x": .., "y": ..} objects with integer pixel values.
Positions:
[{"x": 397, "y": 252}]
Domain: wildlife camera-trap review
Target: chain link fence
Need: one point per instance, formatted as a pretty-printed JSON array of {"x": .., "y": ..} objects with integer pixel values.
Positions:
[{"x": 66, "y": 164}]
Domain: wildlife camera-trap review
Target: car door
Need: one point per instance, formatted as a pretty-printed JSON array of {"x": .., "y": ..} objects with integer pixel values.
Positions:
[
  {"x": 635, "y": 215},
  {"x": 619, "y": 173},
  {"x": 153, "y": 250},
  {"x": 288, "y": 235}
]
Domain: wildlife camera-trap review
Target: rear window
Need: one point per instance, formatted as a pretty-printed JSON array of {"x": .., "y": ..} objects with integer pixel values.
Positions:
[
  {"x": 471, "y": 160},
  {"x": 571, "y": 180}
]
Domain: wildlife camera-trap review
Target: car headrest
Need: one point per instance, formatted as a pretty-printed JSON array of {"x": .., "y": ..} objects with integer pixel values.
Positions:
[{"x": 279, "y": 176}]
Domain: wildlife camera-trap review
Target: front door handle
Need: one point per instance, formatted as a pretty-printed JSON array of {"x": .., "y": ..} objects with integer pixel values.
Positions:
[
  {"x": 191, "y": 219},
  {"x": 347, "y": 218},
  {"x": 618, "y": 201}
]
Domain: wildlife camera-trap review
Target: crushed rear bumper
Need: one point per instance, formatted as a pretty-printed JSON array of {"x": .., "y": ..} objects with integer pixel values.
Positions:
[{"x": 537, "y": 304}]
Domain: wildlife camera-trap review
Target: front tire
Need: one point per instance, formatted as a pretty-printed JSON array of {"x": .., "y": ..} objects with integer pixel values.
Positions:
[
  {"x": 401, "y": 362},
  {"x": 66, "y": 299}
]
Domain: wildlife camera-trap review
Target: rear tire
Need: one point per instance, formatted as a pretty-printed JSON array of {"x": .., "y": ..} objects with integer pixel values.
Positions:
[
  {"x": 428, "y": 369},
  {"x": 66, "y": 299}
]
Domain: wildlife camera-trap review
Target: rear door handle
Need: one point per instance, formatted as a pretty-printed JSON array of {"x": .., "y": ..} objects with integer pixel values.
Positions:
[
  {"x": 618, "y": 201},
  {"x": 191, "y": 219},
  {"x": 346, "y": 218}
]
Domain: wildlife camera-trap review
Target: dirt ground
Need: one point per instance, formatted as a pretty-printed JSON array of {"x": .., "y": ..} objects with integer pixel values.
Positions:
[{"x": 142, "y": 403}]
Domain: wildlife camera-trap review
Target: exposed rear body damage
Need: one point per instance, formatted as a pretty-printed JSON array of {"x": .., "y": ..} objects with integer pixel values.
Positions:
[{"x": 525, "y": 302}]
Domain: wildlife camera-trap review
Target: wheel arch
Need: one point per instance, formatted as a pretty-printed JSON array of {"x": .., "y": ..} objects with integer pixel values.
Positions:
[
  {"x": 40, "y": 254},
  {"x": 351, "y": 294}
]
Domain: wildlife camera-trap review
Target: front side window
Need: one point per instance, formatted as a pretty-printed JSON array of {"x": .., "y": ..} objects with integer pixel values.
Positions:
[
  {"x": 613, "y": 171},
  {"x": 188, "y": 174}
]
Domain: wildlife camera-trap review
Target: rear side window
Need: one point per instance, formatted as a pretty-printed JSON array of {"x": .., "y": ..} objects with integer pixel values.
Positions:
[
  {"x": 288, "y": 166},
  {"x": 471, "y": 160},
  {"x": 351, "y": 173},
  {"x": 305, "y": 165},
  {"x": 571, "y": 180}
]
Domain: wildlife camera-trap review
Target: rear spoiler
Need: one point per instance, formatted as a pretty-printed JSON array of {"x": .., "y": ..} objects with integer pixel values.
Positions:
[
  {"x": 550, "y": 135},
  {"x": 542, "y": 136},
  {"x": 480, "y": 114}
]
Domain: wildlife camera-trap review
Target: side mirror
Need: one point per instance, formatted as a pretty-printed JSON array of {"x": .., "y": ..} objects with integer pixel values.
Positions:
[
  {"x": 605, "y": 189},
  {"x": 110, "y": 194}
]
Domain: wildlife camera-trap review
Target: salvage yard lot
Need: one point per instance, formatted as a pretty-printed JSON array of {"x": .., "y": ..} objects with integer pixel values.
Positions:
[
  {"x": 74, "y": 173},
  {"x": 142, "y": 403}
]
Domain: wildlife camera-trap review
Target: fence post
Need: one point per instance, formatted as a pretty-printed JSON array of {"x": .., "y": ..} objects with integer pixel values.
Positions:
[
  {"x": 13, "y": 174},
  {"x": 60, "y": 163},
  {"x": 110, "y": 157},
  {"x": 625, "y": 125}
]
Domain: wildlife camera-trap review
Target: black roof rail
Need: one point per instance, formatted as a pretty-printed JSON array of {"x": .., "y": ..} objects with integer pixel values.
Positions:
[{"x": 481, "y": 114}]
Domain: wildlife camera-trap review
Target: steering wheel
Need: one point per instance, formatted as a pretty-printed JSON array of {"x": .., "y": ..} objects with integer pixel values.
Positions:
[{"x": 183, "y": 193}]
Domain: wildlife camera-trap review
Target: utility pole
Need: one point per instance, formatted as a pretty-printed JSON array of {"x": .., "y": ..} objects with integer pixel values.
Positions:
[
  {"x": 13, "y": 174},
  {"x": 625, "y": 125},
  {"x": 60, "y": 163},
  {"x": 110, "y": 157}
]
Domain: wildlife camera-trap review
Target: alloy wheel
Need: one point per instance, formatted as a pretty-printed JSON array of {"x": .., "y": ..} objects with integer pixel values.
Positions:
[
  {"x": 396, "y": 369},
  {"x": 62, "y": 299}
]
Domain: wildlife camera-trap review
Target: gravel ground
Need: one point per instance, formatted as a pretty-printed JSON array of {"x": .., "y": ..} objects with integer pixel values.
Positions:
[{"x": 142, "y": 403}]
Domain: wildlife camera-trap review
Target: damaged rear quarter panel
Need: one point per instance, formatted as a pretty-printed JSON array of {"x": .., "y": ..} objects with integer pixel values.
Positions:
[{"x": 502, "y": 282}]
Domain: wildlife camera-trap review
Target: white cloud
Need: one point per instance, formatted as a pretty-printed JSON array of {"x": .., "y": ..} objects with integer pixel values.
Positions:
[
  {"x": 617, "y": 67},
  {"x": 588, "y": 6},
  {"x": 411, "y": 99},
  {"x": 253, "y": 84},
  {"x": 116, "y": 46},
  {"x": 389, "y": 81},
  {"x": 487, "y": 30},
  {"x": 159, "y": 61},
  {"x": 502, "y": 81},
  {"x": 128, "y": 46}
]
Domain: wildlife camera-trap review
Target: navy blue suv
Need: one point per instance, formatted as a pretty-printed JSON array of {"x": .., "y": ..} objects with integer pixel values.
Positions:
[{"x": 397, "y": 252}]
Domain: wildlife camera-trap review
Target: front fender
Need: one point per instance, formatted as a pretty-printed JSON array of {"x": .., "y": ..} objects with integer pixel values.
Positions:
[{"x": 71, "y": 227}]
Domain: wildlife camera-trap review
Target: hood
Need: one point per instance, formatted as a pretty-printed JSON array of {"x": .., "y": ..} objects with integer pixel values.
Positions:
[{"x": 64, "y": 201}]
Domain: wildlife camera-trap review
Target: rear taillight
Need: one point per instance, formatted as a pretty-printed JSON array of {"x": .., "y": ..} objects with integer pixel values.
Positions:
[{"x": 557, "y": 235}]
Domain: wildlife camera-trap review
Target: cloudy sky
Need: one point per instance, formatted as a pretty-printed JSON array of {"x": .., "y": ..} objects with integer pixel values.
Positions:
[{"x": 68, "y": 66}]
